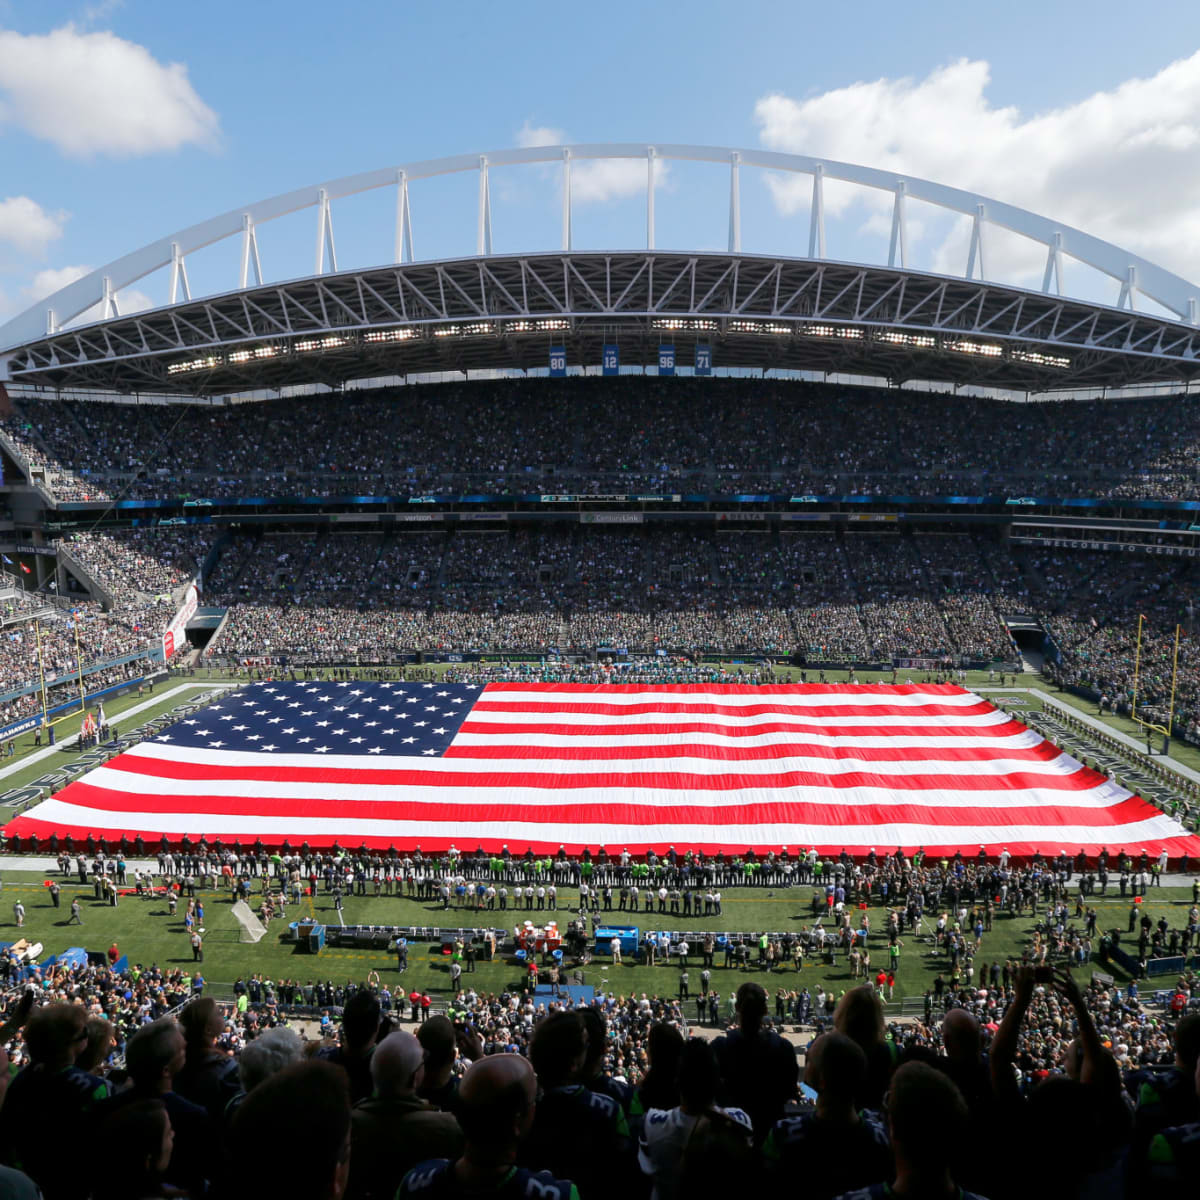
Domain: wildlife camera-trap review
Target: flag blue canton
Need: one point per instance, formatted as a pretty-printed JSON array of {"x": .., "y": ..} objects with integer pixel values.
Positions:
[{"x": 357, "y": 718}]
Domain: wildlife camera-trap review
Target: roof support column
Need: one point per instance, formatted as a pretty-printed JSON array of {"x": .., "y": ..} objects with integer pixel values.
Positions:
[
  {"x": 899, "y": 242},
  {"x": 324, "y": 234},
  {"x": 1128, "y": 287},
  {"x": 816, "y": 223},
  {"x": 249, "y": 252},
  {"x": 566, "y": 201},
  {"x": 1053, "y": 273},
  {"x": 975, "y": 253},
  {"x": 179, "y": 275},
  {"x": 735, "y": 205},
  {"x": 404, "y": 247},
  {"x": 649, "y": 197},
  {"x": 483, "y": 239}
]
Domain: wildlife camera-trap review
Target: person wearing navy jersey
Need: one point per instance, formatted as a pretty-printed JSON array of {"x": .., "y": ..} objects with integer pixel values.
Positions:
[
  {"x": 758, "y": 1067},
  {"x": 926, "y": 1119},
  {"x": 497, "y": 1104},
  {"x": 577, "y": 1133},
  {"x": 835, "y": 1146}
]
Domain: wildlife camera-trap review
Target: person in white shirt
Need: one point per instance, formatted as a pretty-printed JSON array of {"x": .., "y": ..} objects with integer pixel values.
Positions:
[{"x": 666, "y": 1132}]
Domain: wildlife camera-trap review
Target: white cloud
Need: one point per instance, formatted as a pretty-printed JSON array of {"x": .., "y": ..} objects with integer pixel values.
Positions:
[
  {"x": 1122, "y": 164},
  {"x": 24, "y": 223},
  {"x": 95, "y": 93},
  {"x": 49, "y": 280},
  {"x": 597, "y": 180},
  {"x": 540, "y": 135},
  {"x": 46, "y": 282}
]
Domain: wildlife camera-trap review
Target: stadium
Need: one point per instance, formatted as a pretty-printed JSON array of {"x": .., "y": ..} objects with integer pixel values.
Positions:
[{"x": 708, "y": 595}]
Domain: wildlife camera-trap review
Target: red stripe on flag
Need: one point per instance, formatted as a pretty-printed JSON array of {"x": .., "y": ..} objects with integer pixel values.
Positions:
[{"x": 781, "y": 812}]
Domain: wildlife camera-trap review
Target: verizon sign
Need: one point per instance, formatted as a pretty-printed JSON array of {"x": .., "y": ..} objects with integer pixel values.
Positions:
[{"x": 173, "y": 637}]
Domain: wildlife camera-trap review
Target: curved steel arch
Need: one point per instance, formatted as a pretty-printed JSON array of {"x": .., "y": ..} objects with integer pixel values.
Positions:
[{"x": 99, "y": 287}]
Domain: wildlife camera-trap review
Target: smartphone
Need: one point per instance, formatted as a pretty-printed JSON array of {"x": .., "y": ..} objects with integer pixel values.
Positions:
[{"x": 808, "y": 1093}]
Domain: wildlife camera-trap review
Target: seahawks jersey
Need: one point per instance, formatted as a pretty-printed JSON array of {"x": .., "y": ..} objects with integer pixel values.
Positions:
[
  {"x": 1174, "y": 1154},
  {"x": 883, "y": 1191},
  {"x": 832, "y": 1157},
  {"x": 435, "y": 1180}
]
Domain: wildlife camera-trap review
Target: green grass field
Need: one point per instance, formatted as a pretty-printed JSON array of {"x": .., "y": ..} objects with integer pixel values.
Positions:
[{"x": 143, "y": 930}]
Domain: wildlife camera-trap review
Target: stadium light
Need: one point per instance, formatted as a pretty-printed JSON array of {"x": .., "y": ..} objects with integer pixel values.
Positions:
[
  {"x": 983, "y": 349},
  {"x": 546, "y": 325},
  {"x": 1040, "y": 359},
  {"x": 390, "y": 335},
  {"x": 766, "y": 328},
  {"x": 920, "y": 341},
  {"x": 832, "y": 331},
  {"x": 467, "y": 329},
  {"x": 685, "y": 324},
  {"x": 194, "y": 364}
]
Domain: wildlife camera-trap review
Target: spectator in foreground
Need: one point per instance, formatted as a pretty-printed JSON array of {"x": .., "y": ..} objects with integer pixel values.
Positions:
[
  {"x": 1166, "y": 1096},
  {"x": 291, "y": 1136},
  {"x": 926, "y": 1118},
  {"x": 667, "y": 1136},
  {"x": 758, "y": 1067},
  {"x": 439, "y": 1083},
  {"x": 395, "y": 1129},
  {"x": 138, "y": 1142},
  {"x": 859, "y": 1015},
  {"x": 576, "y": 1133},
  {"x": 1173, "y": 1157},
  {"x": 834, "y": 1147},
  {"x": 270, "y": 1052},
  {"x": 496, "y": 1107},
  {"x": 360, "y": 1028},
  {"x": 49, "y": 1102},
  {"x": 660, "y": 1086},
  {"x": 209, "y": 1076},
  {"x": 153, "y": 1056}
]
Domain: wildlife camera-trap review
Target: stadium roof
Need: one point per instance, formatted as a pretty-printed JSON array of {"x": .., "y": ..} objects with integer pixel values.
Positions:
[{"x": 507, "y": 311}]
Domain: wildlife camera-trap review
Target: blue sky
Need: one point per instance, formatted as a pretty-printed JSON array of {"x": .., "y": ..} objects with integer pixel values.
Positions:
[{"x": 120, "y": 122}]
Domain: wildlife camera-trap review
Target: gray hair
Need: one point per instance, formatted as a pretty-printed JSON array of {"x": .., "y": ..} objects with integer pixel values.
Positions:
[{"x": 269, "y": 1052}]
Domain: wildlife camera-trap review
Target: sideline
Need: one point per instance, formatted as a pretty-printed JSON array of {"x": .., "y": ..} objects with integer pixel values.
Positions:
[
  {"x": 1125, "y": 739},
  {"x": 21, "y": 764}
]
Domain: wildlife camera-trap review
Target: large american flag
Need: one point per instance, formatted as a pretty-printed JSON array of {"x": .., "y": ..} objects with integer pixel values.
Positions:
[{"x": 712, "y": 767}]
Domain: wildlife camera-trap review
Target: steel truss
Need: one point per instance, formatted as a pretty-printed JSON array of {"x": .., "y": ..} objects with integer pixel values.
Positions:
[{"x": 505, "y": 311}]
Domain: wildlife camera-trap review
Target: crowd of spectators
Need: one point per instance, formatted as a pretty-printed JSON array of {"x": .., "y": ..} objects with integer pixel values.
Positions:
[
  {"x": 153, "y": 562},
  {"x": 102, "y": 637},
  {"x": 631, "y": 435},
  {"x": 854, "y": 599},
  {"x": 162, "y": 1092}
]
